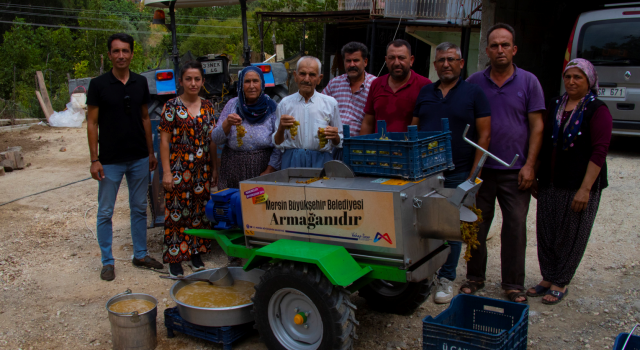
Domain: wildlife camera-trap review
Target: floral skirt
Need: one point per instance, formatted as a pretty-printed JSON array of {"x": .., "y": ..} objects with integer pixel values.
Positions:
[
  {"x": 562, "y": 233},
  {"x": 238, "y": 166}
]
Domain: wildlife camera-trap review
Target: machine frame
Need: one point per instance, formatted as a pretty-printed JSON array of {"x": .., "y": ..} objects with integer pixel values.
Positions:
[{"x": 291, "y": 314}]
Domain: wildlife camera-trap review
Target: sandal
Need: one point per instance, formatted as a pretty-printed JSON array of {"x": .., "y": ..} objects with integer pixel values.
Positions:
[
  {"x": 557, "y": 294},
  {"x": 515, "y": 295},
  {"x": 473, "y": 286},
  {"x": 540, "y": 291}
]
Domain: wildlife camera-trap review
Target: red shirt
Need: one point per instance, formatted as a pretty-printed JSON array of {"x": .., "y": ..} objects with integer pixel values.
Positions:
[{"x": 394, "y": 108}]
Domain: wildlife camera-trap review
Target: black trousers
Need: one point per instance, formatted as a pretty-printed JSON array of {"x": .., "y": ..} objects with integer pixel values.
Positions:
[{"x": 502, "y": 185}]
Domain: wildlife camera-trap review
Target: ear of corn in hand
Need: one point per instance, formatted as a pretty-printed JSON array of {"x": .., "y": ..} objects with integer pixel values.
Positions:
[
  {"x": 293, "y": 129},
  {"x": 322, "y": 137},
  {"x": 240, "y": 132}
]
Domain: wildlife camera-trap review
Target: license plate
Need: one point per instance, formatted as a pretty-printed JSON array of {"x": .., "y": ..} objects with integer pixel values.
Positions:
[
  {"x": 212, "y": 67},
  {"x": 612, "y": 92}
]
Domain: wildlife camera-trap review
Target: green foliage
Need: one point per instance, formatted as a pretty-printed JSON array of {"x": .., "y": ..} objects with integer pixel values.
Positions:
[
  {"x": 81, "y": 53},
  {"x": 288, "y": 33},
  {"x": 199, "y": 45},
  {"x": 81, "y": 69}
]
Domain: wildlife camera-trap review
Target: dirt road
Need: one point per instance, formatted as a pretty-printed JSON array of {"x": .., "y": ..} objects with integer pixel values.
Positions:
[{"x": 51, "y": 296}]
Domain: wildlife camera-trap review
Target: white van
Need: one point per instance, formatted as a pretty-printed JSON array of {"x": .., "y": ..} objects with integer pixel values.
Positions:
[{"x": 610, "y": 40}]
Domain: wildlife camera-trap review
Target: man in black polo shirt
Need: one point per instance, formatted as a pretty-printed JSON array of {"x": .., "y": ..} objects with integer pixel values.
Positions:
[
  {"x": 462, "y": 103},
  {"x": 118, "y": 122}
]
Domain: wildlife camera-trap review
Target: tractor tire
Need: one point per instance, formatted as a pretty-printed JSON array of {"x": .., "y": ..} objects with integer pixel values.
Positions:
[
  {"x": 394, "y": 297},
  {"x": 278, "y": 93},
  {"x": 290, "y": 288}
]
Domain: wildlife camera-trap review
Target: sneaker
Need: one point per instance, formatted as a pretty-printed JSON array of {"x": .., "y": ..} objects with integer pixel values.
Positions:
[
  {"x": 175, "y": 270},
  {"x": 444, "y": 291},
  {"x": 148, "y": 262},
  {"x": 108, "y": 273},
  {"x": 196, "y": 263}
]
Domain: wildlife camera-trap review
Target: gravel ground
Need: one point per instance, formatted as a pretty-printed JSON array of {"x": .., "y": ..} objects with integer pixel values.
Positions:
[{"x": 51, "y": 296}]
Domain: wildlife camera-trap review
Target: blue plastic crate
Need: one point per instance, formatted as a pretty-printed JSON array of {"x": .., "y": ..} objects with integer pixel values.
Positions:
[
  {"x": 474, "y": 323},
  {"x": 633, "y": 344},
  {"x": 224, "y": 335},
  {"x": 412, "y": 155}
]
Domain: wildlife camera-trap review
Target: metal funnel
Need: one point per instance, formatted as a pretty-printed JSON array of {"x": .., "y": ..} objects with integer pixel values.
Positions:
[{"x": 221, "y": 277}]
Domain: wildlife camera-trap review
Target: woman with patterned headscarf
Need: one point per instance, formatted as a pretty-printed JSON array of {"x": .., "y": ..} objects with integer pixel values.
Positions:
[
  {"x": 245, "y": 127},
  {"x": 572, "y": 172}
]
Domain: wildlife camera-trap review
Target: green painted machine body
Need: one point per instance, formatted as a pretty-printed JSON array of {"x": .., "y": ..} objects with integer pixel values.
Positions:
[{"x": 333, "y": 260}]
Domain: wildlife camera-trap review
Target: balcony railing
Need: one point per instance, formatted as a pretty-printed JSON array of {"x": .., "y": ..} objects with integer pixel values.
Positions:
[{"x": 453, "y": 11}]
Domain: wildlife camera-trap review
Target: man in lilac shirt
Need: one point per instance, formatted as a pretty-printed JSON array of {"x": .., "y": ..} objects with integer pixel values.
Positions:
[{"x": 517, "y": 102}]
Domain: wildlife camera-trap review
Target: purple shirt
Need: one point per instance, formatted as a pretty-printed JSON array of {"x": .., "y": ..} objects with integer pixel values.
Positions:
[{"x": 510, "y": 104}]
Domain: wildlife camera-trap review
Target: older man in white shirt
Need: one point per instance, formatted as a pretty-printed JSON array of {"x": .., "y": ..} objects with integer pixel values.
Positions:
[{"x": 318, "y": 117}]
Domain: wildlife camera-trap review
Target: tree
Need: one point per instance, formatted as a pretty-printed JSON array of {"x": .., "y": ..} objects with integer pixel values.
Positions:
[{"x": 290, "y": 33}]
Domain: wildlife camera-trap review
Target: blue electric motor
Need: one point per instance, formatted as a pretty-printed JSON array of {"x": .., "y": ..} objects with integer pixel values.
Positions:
[{"x": 224, "y": 209}]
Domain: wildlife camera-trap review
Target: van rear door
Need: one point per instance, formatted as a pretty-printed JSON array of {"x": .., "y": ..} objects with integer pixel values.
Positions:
[{"x": 610, "y": 39}]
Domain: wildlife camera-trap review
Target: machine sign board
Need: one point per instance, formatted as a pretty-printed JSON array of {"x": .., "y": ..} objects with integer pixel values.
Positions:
[
  {"x": 361, "y": 217},
  {"x": 212, "y": 67}
]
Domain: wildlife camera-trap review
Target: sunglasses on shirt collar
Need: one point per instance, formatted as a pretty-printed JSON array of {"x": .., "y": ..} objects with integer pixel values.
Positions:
[{"x": 127, "y": 105}]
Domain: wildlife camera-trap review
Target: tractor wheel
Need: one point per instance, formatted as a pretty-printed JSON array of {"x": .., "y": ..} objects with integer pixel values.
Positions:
[
  {"x": 297, "y": 308},
  {"x": 394, "y": 297},
  {"x": 278, "y": 93}
]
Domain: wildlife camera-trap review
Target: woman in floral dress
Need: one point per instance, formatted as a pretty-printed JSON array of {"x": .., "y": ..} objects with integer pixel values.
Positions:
[{"x": 189, "y": 170}]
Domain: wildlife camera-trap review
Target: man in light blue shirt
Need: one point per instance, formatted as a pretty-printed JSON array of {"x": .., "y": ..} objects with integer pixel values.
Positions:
[{"x": 308, "y": 143}]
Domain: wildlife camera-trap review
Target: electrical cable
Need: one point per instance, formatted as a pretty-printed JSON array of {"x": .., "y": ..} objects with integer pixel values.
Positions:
[
  {"x": 106, "y": 19},
  {"x": 394, "y": 38},
  {"x": 55, "y": 188},
  {"x": 116, "y": 30},
  {"x": 61, "y": 9}
]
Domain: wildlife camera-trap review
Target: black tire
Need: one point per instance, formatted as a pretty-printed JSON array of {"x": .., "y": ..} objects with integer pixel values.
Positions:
[
  {"x": 396, "y": 298},
  {"x": 277, "y": 93},
  {"x": 337, "y": 313}
]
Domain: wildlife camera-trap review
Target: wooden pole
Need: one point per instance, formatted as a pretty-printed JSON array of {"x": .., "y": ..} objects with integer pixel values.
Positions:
[
  {"x": 43, "y": 106},
  {"x": 44, "y": 94}
]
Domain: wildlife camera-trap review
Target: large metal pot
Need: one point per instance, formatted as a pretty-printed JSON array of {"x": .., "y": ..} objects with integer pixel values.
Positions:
[
  {"x": 133, "y": 331},
  {"x": 217, "y": 317}
]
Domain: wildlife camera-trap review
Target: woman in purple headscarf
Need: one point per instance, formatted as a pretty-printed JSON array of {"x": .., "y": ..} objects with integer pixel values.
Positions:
[{"x": 572, "y": 172}]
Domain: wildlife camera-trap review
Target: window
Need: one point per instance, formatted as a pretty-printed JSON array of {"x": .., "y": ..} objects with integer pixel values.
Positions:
[{"x": 612, "y": 42}]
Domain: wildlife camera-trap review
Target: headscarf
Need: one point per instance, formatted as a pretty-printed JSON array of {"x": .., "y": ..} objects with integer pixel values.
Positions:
[
  {"x": 572, "y": 127},
  {"x": 263, "y": 107}
]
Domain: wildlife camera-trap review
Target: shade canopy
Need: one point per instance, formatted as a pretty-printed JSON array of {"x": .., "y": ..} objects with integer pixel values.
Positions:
[{"x": 192, "y": 3}]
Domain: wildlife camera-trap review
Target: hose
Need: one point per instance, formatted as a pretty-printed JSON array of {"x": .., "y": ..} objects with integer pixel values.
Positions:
[{"x": 41, "y": 192}]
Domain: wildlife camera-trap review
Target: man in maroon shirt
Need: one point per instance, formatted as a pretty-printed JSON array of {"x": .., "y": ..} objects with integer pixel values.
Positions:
[{"x": 392, "y": 97}]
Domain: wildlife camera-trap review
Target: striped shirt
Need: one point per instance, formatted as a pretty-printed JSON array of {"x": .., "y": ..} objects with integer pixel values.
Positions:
[{"x": 351, "y": 105}]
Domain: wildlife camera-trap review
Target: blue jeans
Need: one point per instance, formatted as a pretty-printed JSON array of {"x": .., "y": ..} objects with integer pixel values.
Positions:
[
  {"x": 448, "y": 270},
  {"x": 137, "y": 173},
  {"x": 302, "y": 158}
]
